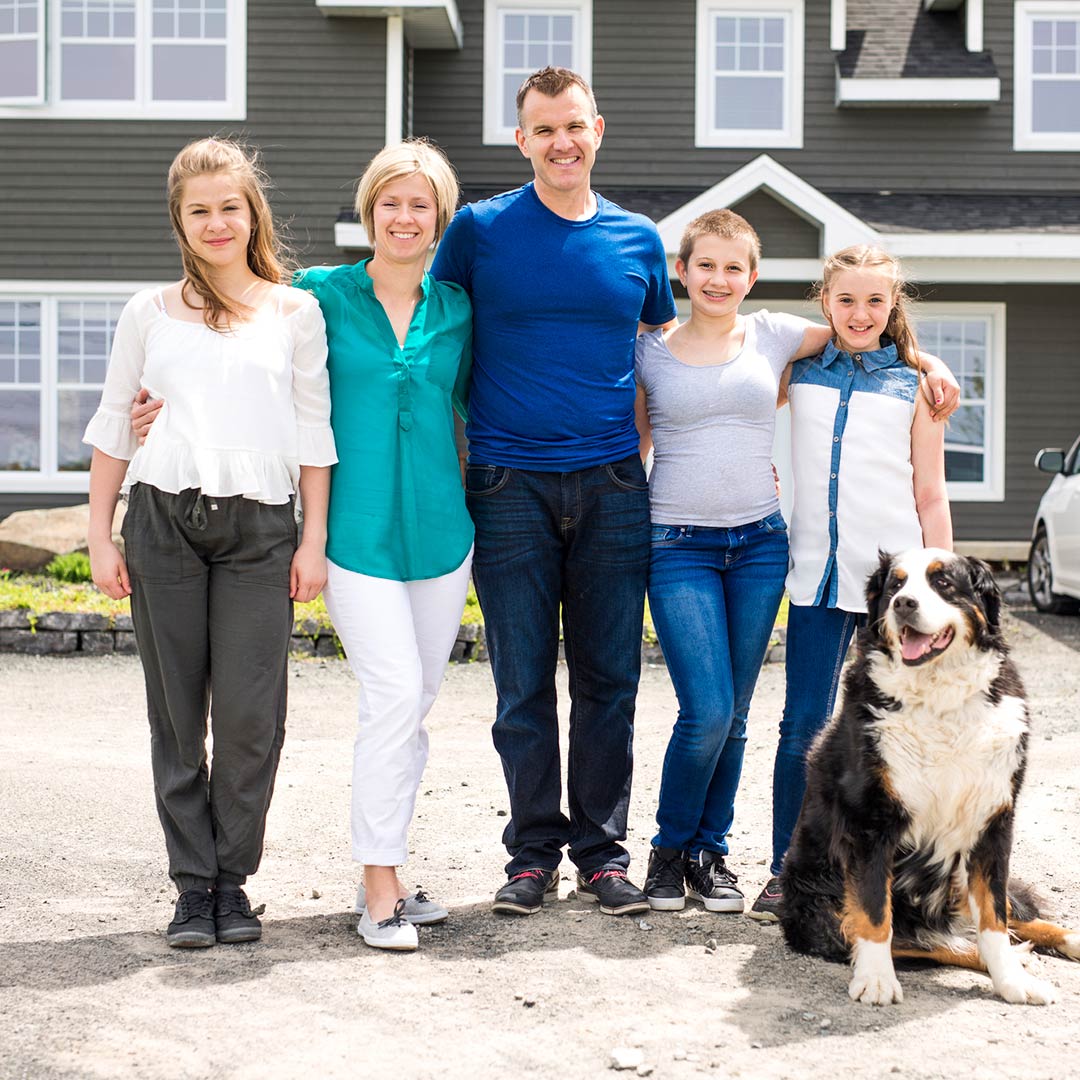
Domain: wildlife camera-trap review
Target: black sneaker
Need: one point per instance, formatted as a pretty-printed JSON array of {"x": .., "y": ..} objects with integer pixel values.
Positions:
[
  {"x": 524, "y": 893},
  {"x": 766, "y": 907},
  {"x": 711, "y": 882},
  {"x": 664, "y": 881},
  {"x": 233, "y": 917},
  {"x": 193, "y": 924},
  {"x": 613, "y": 891}
]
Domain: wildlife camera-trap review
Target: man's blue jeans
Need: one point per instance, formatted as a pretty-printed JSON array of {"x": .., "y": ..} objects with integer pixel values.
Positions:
[
  {"x": 579, "y": 541},
  {"x": 817, "y": 642},
  {"x": 713, "y": 594}
]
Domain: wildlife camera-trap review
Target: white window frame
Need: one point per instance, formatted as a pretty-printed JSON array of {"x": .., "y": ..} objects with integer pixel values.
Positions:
[
  {"x": 992, "y": 486},
  {"x": 234, "y": 107},
  {"x": 49, "y": 479},
  {"x": 496, "y": 133},
  {"x": 706, "y": 130},
  {"x": 38, "y": 97},
  {"x": 1026, "y": 13}
]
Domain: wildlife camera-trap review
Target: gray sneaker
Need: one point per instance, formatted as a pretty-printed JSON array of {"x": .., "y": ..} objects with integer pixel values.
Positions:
[
  {"x": 419, "y": 908},
  {"x": 711, "y": 882},
  {"x": 395, "y": 933}
]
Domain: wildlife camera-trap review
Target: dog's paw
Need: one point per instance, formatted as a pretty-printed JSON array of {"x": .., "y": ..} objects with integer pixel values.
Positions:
[
  {"x": 875, "y": 989},
  {"x": 1070, "y": 946},
  {"x": 1021, "y": 988}
]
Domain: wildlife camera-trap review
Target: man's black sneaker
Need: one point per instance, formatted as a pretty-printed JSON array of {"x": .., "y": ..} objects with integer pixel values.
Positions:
[
  {"x": 613, "y": 891},
  {"x": 193, "y": 924},
  {"x": 233, "y": 916},
  {"x": 524, "y": 893},
  {"x": 766, "y": 907},
  {"x": 711, "y": 882},
  {"x": 664, "y": 881}
]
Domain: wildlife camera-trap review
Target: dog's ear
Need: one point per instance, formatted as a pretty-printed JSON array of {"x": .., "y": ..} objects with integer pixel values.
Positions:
[
  {"x": 986, "y": 589},
  {"x": 875, "y": 589}
]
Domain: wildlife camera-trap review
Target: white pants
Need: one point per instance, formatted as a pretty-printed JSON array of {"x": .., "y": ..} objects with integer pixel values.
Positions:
[{"x": 398, "y": 636}]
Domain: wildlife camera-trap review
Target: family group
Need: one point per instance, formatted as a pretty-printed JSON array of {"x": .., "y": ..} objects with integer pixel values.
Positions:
[{"x": 547, "y": 320}]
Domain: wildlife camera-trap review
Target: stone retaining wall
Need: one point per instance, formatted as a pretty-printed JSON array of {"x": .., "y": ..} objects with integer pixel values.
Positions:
[{"x": 77, "y": 634}]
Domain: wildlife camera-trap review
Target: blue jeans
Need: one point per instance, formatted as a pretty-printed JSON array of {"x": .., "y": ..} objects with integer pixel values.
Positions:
[
  {"x": 817, "y": 642},
  {"x": 713, "y": 594},
  {"x": 579, "y": 541}
]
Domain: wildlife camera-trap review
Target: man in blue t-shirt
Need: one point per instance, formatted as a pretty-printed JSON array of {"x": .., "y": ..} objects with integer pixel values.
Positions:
[{"x": 561, "y": 281}]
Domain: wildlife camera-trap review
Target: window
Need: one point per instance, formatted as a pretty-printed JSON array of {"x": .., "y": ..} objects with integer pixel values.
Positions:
[
  {"x": 1047, "y": 76},
  {"x": 971, "y": 340},
  {"x": 749, "y": 73},
  {"x": 53, "y": 355},
  {"x": 121, "y": 59},
  {"x": 520, "y": 38}
]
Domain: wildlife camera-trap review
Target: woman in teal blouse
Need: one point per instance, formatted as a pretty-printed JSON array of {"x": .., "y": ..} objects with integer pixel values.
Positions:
[{"x": 399, "y": 543}]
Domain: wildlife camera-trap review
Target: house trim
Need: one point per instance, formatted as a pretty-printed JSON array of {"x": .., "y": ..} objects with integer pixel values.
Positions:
[
  {"x": 1024, "y": 139},
  {"x": 924, "y": 92},
  {"x": 395, "y": 76},
  {"x": 428, "y": 24},
  {"x": 838, "y": 25}
]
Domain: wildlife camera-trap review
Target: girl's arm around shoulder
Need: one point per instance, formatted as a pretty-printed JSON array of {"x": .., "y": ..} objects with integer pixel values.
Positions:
[
  {"x": 940, "y": 387},
  {"x": 928, "y": 477}
]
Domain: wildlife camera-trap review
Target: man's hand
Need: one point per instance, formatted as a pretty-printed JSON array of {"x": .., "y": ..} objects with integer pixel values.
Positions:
[
  {"x": 307, "y": 575},
  {"x": 144, "y": 413}
]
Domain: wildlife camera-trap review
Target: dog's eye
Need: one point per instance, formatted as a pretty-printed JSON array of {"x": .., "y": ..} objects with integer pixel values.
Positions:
[{"x": 943, "y": 583}]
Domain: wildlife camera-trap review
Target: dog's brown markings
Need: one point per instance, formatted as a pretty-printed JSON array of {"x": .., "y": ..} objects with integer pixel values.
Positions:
[
  {"x": 855, "y": 921},
  {"x": 934, "y": 567},
  {"x": 1045, "y": 935},
  {"x": 981, "y": 892},
  {"x": 964, "y": 954}
]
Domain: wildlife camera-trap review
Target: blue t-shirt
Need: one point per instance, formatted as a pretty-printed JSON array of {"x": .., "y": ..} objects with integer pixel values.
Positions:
[{"x": 556, "y": 305}]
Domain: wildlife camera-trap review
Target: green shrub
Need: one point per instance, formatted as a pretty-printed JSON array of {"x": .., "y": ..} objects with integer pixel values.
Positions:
[{"x": 72, "y": 567}]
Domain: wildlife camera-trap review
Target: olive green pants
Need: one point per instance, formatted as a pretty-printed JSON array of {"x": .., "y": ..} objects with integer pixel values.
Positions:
[{"x": 212, "y": 616}]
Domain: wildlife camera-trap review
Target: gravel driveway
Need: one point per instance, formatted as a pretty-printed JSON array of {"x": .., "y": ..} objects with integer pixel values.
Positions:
[{"x": 88, "y": 987}]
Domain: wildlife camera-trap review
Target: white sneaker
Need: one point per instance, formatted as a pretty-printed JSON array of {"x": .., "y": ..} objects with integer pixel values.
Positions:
[
  {"x": 395, "y": 932},
  {"x": 419, "y": 909}
]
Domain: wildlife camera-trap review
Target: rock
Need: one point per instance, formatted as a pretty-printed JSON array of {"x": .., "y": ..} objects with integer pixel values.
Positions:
[
  {"x": 30, "y": 539},
  {"x": 643, "y": 925},
  {"x": 680, "y": 1054},
  {"x": 72, "y": 620},
  {"x": 31, "y": 644},
  {"x": 315, "y": 894},
  {"x": 627, "y": 1057},
  {"x": 710, "y": 945},
  {"x": 14, "y": 620},
  {"x": 97, "y": 642},
  {"x": 644, "y": 1070}
]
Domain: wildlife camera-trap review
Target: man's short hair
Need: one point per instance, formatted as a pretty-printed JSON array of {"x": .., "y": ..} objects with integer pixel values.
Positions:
[{"x": 552, "y": 81}]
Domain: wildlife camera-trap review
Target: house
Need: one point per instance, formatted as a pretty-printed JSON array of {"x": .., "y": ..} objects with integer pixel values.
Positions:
[{"x": 946, "y": 130}]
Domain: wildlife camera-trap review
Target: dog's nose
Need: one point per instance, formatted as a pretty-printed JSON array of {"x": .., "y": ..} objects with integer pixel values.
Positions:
[{"x": 905, "y": 605}]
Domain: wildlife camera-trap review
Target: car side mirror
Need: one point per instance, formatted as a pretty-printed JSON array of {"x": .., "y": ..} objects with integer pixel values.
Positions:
[{"x": 1051, "y": 461}]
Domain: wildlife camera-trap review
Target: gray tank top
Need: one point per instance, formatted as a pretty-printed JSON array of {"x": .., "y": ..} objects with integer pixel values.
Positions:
[{"x": 712, "y": 426}]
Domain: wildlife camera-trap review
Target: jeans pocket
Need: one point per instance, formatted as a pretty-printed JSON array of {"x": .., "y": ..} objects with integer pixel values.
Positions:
[
  {"x": 665, "y": 535},
  {"x": 481, "y": 480},
  {"x": 774, "y": 523},
  {"x": 628, "y": 474}
]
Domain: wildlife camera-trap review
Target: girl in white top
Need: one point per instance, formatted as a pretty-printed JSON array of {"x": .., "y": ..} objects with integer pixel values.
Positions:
[{"x": 211, "y": 560}]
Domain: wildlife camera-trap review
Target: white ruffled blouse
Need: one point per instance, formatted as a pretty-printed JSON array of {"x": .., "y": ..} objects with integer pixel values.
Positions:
[{"x": 243, "y": 410}]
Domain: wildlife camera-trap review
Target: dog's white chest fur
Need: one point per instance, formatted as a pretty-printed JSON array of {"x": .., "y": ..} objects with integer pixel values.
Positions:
[{"x": 950, "y": 760}]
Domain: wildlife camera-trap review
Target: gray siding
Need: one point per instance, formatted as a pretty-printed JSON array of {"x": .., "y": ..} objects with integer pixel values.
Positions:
[
  {"x": 643, "y": 74},
  {"x": 1042, "y": 394},
  {"x": 83, "y": 200},
  {"x": 783, "y": 233}
]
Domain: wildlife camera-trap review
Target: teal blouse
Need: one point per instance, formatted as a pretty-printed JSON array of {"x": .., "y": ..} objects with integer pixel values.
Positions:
[{"x": 397, "y": 508}]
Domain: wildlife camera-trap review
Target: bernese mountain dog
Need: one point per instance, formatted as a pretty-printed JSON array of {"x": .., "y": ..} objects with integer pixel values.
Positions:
[{"x": 902, "y": 846}]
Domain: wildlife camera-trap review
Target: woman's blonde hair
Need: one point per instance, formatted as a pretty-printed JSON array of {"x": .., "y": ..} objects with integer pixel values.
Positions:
[
  {"x": 265, "y": 254},
  {"x": 868, "y": 257},
  {"x": 407, "y": 159}
]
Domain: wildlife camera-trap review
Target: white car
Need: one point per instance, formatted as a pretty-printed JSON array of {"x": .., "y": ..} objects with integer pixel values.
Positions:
[{"x": 1054, "y": 561}]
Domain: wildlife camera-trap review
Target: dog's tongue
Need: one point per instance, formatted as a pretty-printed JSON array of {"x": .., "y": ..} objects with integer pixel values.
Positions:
[{"x": 913, "y": 644}]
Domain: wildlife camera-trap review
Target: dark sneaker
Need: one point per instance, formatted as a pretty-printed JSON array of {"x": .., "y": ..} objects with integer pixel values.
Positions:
[
  {"x": 233, "y": 916},
  {"x": 664, "y": 881},
  {"x": 193, "y": 924},
  {"x": 766, "y": 907},
  {"x": 613, "y": 891},
  {"x": 711, "y": 882},
  {"x": 524, "y": 893}
]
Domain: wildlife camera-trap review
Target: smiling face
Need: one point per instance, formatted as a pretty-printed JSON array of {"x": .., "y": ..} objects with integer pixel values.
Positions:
[
  {"x": 216, "y": 219},
  {"x": 405, "y": 215},
  {"x": 560, "y": 136},
  {"x": 717, "y": 275},
  {"x": 857, "y": 304}
]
